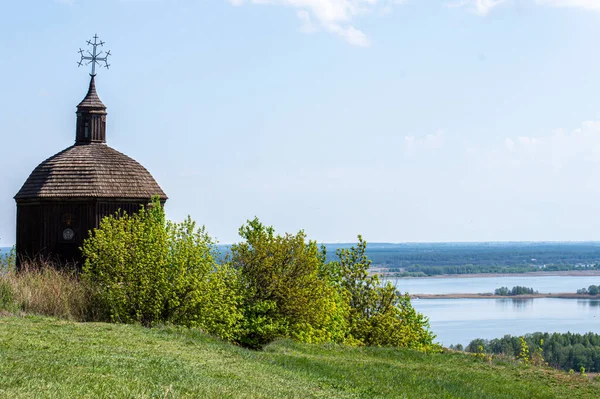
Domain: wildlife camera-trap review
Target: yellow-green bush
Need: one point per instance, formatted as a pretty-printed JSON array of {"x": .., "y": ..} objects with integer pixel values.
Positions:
[
  {"x": 286, "y": 293},
  {"x": 148, "y": 270},
  {"x": 379, "y": 314}
]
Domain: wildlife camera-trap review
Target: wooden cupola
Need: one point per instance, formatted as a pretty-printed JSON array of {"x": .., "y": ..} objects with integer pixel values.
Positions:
[{"x": 91, "y": 118}]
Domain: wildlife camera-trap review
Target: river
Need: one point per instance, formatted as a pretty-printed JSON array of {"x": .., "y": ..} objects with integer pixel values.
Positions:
[{"x": 462, "y": 320}]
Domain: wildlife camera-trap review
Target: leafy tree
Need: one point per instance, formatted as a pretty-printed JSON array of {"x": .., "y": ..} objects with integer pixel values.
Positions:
[
  {"x": 457, "y": 347},
  {"x": 379, "y": 315},
  {"x": 287, "y": 290},
  {"x": 591, "y": 290},
  {"x": 474, "y": 345}
]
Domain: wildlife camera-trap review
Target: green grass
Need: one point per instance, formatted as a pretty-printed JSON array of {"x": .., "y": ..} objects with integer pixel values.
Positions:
[{"x": 49, "y": 358}]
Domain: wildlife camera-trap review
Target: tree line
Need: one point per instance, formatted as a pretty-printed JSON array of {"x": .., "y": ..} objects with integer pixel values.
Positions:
[
  {"x": 591, "y": 290},
  {"x": 423, "y": 259},
  {"x": 517, "y": 290},
  {"x": 565, "y": 351},
  {"x": 424, "y": 271}
]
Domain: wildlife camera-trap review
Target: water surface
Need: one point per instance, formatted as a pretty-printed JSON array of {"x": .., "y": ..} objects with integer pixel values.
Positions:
[
  {"x": 477, "y": 285},
  {"x": 462, "y": 320}
]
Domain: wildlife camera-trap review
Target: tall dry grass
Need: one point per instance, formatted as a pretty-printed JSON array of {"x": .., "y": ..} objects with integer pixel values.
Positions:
[{"x": 43, "y": 289}]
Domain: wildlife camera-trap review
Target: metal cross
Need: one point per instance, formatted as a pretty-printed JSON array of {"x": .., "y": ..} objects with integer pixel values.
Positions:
[{"x": 94, "y": 57}]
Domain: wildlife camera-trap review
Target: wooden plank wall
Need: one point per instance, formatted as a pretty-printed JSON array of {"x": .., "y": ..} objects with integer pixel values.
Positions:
[{"x": 40, "y": 226}]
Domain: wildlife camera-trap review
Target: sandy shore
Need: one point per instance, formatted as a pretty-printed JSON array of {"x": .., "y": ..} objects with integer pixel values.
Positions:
[
  {"x": 564, "y": 295},
  {"x": 582, "y": 273}
]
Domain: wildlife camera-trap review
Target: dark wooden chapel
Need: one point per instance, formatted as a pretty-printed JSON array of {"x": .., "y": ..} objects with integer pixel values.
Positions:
[{"x": 69, "y": 193}]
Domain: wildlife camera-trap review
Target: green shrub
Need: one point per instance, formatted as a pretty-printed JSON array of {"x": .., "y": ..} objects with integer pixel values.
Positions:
[
  {"x": 152, "y": 271},
  {"x": 379, "y": 315},
  {"x": 147, "y": 270},
  {"x": 216, "y": 305},
  {"x": 126, "y": 259},
  {"x": 286, "y": 290}
]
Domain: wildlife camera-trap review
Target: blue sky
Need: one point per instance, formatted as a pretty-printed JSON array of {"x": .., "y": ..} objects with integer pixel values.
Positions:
[{"x": 399, "y": 120}]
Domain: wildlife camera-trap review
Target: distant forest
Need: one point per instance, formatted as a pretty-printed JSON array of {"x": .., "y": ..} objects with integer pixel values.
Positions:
[
  {"x": 565, "y": 351},
  {"x": 467, "y": 258}
]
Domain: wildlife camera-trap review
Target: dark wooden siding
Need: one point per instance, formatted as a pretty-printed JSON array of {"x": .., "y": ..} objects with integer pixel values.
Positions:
[
  {"x": 96, "y": 128},
  {"x": 40, "y": 226}
]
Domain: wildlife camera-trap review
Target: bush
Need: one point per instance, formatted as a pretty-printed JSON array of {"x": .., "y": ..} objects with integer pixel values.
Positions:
[
  {"x": 151, "y": 271},
  {"x": 287, "y": 292},
  {"x": 216, "y": 308},
  {"x": 145, "y": 269},
  {"x": 379, "y": 315}
]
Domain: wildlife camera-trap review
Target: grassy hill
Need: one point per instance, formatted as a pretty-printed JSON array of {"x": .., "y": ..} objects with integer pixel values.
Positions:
[{"x": 49, "y": 358}]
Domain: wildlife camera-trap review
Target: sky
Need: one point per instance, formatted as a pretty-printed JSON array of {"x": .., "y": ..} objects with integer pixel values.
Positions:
[{"x": 401, "y": 120}]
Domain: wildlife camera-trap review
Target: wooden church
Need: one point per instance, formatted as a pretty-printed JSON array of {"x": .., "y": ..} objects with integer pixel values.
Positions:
[{"x": 69, "y": 193}]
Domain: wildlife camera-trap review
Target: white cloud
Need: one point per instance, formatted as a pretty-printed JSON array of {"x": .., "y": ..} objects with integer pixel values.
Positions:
[
  {"x": 510, "y": 144},
  {"x": 586, "y": 4},
  {"x": 334, "y": 16},
  {"x": 562, "y": 166},
  {"x": 429, "y": 142},
  {"x": 559, "y": 150},
  {"x": 351, "y": 34},
  {"x": 479, "y": 7},
  {"x": 483, "y": 7}
]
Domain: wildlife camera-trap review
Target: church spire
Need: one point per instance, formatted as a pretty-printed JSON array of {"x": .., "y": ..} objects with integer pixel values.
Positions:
[
  {"x": 91, "y": 113},
  {"x": 91, "y": 118}
]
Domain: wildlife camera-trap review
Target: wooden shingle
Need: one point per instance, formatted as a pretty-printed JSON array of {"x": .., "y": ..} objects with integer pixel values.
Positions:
[{"x": 90, "y": 170}]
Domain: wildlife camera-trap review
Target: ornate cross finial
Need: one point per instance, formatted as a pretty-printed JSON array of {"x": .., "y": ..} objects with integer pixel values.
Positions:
[{"x": 94, "y": 57}]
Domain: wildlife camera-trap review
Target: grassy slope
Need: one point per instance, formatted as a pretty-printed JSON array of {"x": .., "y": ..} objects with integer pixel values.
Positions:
[{"x": 48, "y": 358}]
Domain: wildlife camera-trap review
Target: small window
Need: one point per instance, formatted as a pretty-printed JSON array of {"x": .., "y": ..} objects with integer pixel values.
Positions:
[{"x": 87, "y": 130}]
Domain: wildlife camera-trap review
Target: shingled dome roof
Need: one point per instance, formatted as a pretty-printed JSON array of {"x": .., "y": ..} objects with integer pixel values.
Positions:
[{"x": 90, "y": 170}]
